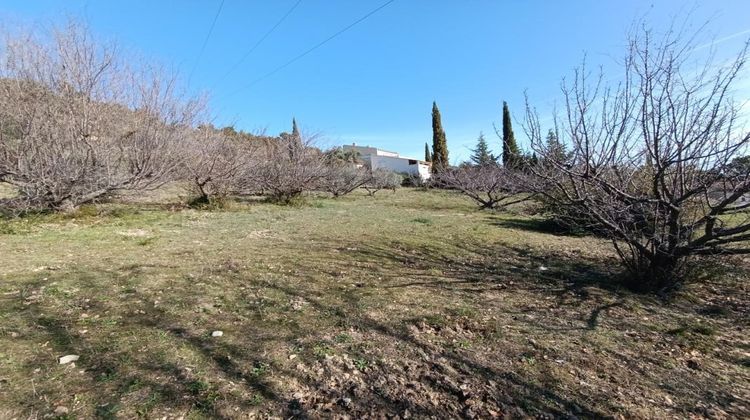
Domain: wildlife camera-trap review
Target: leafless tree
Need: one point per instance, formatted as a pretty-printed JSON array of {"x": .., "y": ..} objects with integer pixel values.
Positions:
[
  {"x": 288, "y": 167},
  {"x": 382, "y": 179},
  {"x": 341, "y": 178},
  {"x": 649, "y": 157},
  {"x": 217, "y": 164},
  {"x": 491, "y": 186},
  {"x": 78, "y": 122}
]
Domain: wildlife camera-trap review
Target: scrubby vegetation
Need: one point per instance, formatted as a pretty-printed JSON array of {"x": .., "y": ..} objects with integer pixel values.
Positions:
[
  {"x": 654, "y": 162},
  {"x": 408, "y": 303},
  {"x": 81, "y": 122}
]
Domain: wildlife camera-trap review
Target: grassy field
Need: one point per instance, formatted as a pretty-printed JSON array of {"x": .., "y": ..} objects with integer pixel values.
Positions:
[{"x": 411, "y": 304}]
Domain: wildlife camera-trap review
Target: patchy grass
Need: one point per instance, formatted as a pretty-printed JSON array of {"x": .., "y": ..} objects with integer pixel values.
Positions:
[{"x": 411, "y": 303}]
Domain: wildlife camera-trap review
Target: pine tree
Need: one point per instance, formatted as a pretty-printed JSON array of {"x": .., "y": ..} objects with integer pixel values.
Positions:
[
  {"x": 511, "y": 154},
  {"x": 481, "y": 155},
  {"x": 439, "y": 143},
  {"x": 427, "y": 154},
  {"x": 555, "y": 150}
]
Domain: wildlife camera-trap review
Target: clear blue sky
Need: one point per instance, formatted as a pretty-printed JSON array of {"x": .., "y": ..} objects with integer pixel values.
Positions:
[{"x": 375, "y": 83}]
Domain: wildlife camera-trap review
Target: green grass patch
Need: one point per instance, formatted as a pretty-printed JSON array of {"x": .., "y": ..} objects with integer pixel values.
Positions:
[{"x": 346, "y": 307}]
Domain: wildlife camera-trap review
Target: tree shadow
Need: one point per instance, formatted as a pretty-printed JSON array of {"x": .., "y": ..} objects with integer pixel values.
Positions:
[
  {"x": 539, "y": 225},
  {"x": 593, "y": 320},
  {"x": 483, "y": 267},
  {"x": 396, "y": 367},
  {"x": 116, "y": 377}
]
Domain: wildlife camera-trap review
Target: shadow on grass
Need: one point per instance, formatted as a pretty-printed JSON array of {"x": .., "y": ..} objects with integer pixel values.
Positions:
[
  {"x": 124, "y": 375},
  {"x": 479, "y": 268},
  {"x": 539, "y": 225},
  {"x": 160, "y": 358}
]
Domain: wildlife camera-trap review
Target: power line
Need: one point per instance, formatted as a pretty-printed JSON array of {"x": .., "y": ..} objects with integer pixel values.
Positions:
[
  {"x": 260, "y": 41},
  {"x": 205, "y": 41},
  {"x": 315, "y": 47}
]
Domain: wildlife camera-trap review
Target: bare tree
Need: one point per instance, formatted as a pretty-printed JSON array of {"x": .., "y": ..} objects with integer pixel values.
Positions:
[
  {"x": 77, "y": 123},
  {"x": 341, "y": 178},
  {"x": 382, "y": 179},
  {"x": 288, "y": 167},
  {"x": 491, "y": 186},
  {"x": 217, "y": 164},
  {"x": 649, "y": 157}
]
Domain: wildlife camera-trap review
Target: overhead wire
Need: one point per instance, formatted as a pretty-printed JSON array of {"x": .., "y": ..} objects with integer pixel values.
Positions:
[
  {"x": 259, "y": 42},
  {"x": 205, "y": 41},
  {"x": 314, "y": 47}
]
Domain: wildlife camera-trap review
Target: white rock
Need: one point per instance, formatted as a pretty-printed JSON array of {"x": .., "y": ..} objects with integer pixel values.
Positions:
[
  {"x": 69, "y": 358},
  {"x": 217, "y": 333},
  {"x": 543, "y": 268}
]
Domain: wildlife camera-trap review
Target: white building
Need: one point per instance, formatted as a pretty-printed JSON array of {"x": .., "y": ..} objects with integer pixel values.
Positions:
[{"x": 383, "y": 159}]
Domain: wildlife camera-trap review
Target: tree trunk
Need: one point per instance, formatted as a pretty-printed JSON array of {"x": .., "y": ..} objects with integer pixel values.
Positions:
[{"x": 657, "y": 274}]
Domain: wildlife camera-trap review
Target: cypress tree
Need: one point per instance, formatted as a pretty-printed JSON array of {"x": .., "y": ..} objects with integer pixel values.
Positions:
[
  {"x": 481, "y": 155},
  {"x": 439, "y": 143},
  {"x": 295, "y": 130},
  {"x": 427, "y": 154},
  {"x": 295, "y": 145},
  {"x": 511, "y": 154}
]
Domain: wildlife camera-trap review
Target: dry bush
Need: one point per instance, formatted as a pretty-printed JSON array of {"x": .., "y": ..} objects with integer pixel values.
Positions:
[
  {"x": 490, "y": 186},
  {"x": 650, "y": 157},
  {"x": 382, "y": 179},
  {"x": 288, "y": 167},
  {"x": 78, "y": 122},
  {"x": 340, "y": 178},
  {"x": 217, "y": 164}
]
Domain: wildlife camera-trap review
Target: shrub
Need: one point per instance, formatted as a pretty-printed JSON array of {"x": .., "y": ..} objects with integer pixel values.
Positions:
[
  {"x": 79, "y": 123},
  {"x": 216, "y": 165},
  {"x": 382, "y": 179},
  {"x": 490, "y": 186},
  {"x": 653, "y": 160},
  {"x": 287, "y": 167}
]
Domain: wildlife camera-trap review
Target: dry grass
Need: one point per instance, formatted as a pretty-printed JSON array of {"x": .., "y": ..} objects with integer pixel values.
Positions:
[{"x": 409, "y": 304}]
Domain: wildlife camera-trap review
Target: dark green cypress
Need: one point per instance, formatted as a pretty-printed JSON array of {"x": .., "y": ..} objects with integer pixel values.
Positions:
[
  {"x": 511, "y": 154},
  {"x": 295, "y": 130},
  {"x": 439, "y": 143},
  {"x": 427, "y": 154},
  {"x": 295, "y": 143}
]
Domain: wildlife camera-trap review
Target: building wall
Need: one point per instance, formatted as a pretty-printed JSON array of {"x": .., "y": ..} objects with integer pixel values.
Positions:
[
  {"x": 386, "y": 153},
  {"x": 424, "y": 171},
  {"x": 382, "y": 159},
  {"x": 364, "y": 151},
  {"x": 400, "y": 164}
]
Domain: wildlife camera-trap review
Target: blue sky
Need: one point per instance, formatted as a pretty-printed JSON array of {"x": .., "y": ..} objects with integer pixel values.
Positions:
[{"x": 375, "y": 83}]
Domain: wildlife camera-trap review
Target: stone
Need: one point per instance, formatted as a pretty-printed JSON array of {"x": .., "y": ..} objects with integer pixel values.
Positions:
[
  {"x": 217, "y": 333},
  {"x": 68, "y": 358}
]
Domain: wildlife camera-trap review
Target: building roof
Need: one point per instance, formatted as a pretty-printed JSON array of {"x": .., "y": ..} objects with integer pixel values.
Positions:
[{"x": 377, "y": 149}]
